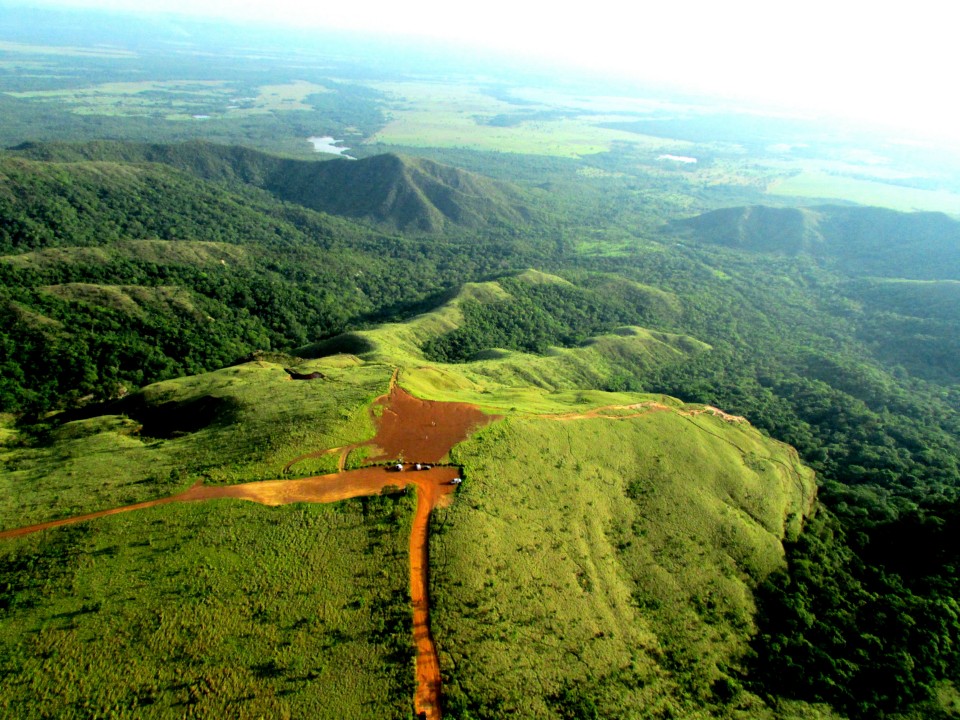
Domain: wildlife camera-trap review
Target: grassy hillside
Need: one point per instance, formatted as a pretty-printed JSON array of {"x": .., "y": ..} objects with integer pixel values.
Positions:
[
  {"x": 585, "y": 481},
  {"x": 600, "y": 560},
  {"x": 237, "y": 424},
  {"x": 117, "y": 274},
  {"x": 245, "y": 422},
  {"x": 524, "y": 356},
  {"x": 609, "y": 563},
  {"x": 221, "y": 609}
]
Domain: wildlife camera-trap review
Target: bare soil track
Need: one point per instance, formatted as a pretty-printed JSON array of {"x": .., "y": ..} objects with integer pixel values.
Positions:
[
  {"x": 416, "y": 431},
  {"x": 625, "y": 412}
]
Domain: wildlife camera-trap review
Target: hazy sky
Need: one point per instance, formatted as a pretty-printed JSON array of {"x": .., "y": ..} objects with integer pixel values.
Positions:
[{"x": 892, "y": 60}]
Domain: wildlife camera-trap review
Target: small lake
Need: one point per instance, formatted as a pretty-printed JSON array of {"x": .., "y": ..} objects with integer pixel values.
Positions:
[
  {"x": 678, "y": 158},
  {"x": 326, "y": 145}
]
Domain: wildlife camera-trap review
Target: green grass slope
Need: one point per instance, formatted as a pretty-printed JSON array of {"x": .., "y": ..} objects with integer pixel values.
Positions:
[
  {"x": 603, "y": 361},
  {"x": 599, "y": 560},
  {"x": 609, "y": 564},
  {"x": 220, "y": 609},
  {"x": 238, "y": 424}
]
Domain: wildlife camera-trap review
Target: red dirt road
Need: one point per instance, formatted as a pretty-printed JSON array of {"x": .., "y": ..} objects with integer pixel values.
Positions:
[
  {"x": 416, "y": 430},
  {"x": 432, "y": 484},
  {"x": 432, "y": 487}
]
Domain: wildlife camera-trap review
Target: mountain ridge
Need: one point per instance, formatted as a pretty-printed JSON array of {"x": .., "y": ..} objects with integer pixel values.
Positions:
[
  {"x": 865, "y": 240},
  {"x": 398, "y": 192}
]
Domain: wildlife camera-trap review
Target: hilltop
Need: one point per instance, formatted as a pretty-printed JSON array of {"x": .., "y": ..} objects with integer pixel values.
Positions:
[
  {"x": 478, "y": 330},
  {"x": 567, "y": 531},
  {"x": 391, "y": 191},
  {"x": 865, "y": 241},
  {"x": 404, "y": 193}
]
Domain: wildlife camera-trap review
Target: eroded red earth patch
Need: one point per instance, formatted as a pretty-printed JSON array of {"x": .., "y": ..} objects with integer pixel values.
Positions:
[{"x": 422, "y": 430}]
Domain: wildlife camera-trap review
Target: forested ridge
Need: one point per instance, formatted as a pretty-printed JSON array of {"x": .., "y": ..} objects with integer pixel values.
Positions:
[
  {"x": 115, "y": 275},
  {"x": 413, "y": 195},
  {"x": 295, "y": 276}
]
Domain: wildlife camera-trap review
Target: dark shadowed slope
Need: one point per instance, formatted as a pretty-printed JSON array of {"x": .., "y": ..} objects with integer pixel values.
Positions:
[{"x": 403, "y": 193}]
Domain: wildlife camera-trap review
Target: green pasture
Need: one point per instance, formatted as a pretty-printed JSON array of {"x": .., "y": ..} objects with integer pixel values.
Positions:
[
  {"x": 179, "y": 99},
  {"x": 214, "y": 609},
  {"x": 825, "y": 185},
  {"x": 148, "y": 97},
  {"x": 453, "y": 115},
  {"x": 569, "y": 138},
  {"x": 287, "y": 96}
]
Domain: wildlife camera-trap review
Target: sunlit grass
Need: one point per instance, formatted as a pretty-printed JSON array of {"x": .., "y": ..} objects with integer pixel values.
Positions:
[
  {"x": 112, "y": 460},
  {"x": 507, "y": 380},
  {"x": 218, "y": 609},
  {"x": 287, "y": 96},
  {"x": 456, "y": 116},
  {"x": 614, "y": 555},
  {"x": 625, "y": 549}
]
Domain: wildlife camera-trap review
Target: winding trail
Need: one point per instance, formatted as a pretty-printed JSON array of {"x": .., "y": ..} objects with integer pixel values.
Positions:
[
  {"x": 625, "y": 412},
  {"x": 408, "y": 429},
  {"x": 433, "y": 484}
]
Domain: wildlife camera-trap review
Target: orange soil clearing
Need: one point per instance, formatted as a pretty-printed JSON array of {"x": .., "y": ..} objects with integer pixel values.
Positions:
[
  {"x": 417, "y": 430},
  {"x": 422, "y": 430}
]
